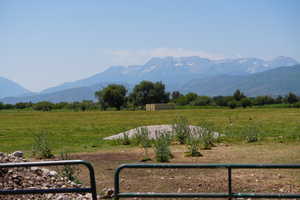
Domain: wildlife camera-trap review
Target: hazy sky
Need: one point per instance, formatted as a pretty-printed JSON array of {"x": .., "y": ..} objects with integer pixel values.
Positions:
[{"x": 45, "y": 43}]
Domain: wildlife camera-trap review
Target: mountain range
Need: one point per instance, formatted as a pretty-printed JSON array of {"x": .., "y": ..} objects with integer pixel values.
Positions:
[
  {"x": 253, "y": 76},
  {"x": 11, "y": 88}
]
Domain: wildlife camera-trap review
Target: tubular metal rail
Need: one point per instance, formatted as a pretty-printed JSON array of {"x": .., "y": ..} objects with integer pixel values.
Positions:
[
  {"x": 91, "y": 189},
  {"x": 230, "y": 194}
]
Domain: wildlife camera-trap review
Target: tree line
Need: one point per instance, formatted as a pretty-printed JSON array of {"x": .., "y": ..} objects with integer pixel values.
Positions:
[{"x": 116, "y": 96}]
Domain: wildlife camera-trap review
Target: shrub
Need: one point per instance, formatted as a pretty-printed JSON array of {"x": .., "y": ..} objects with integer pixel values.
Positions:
[
  {"x": 251, "y": 133},
  {"x": 41, "y": 146},
  {"x": 201, "y": 101},
  {"x": 69, "y": 171},
  {"x": 43, "y": 106},
  {"x": 207, "y": 138},
  {"x": 125, "y": 140},
  {"x": 142, "y": 137},
  {"x": 232, "y": 104},
  {"x": 144, "y": 141},
  {"x": 296, "y": 105},
  {"x": 193, "y": 145},
  {"x": 162, "y": 147},
  {"x": 181, "y": 129},
  {"x": 246, "y": 102}
]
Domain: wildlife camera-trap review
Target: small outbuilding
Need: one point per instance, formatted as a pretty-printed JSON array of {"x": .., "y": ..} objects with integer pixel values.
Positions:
[{"x": 159, "y": 106}]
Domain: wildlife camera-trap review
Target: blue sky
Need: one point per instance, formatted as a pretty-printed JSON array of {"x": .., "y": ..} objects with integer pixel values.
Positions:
[{"x": 45, "y": 43}]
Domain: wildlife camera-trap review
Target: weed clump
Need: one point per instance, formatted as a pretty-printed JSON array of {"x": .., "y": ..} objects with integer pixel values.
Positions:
[
  {"x": 193, "y": 144},
  {"x": 207, "y": 139},
  {"x": 162, "y": 144},
  {"x": 206, "y": 133},
  {"x": 69, "y": 171},
  {"x": 251, "y": 133},
  {"x": 41, "y": 146},
  {"x": 125, "y": 140},
  {"x": 143, "y": 139},
  {"x": 181, "y": 129}
]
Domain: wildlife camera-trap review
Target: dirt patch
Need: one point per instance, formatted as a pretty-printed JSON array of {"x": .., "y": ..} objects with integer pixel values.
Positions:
[{"x": 201, "y": 180}]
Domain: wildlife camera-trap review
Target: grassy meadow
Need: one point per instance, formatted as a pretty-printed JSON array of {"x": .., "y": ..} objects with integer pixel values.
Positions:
[{"x": 83, "y": 131}]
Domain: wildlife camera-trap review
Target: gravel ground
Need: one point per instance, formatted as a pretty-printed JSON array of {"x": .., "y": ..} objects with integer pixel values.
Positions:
[{"x": 34, "y": 178}]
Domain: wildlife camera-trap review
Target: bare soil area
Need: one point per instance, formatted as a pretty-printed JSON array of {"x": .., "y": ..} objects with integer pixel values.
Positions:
[{"x": 201, "y": 180}]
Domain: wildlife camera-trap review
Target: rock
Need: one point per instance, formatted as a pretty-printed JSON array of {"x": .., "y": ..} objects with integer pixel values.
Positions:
[
  {"x": 108, "y": 193},
  {"x": 53, "y": 173},
  {"x": 18, "y": 154}
]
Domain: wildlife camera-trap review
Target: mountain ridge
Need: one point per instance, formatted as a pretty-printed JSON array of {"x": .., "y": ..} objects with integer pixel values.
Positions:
[
  {"x": 185, "y": 74},
  {"x": 11, "y": 88},
  {"x": 168, "y": 69},
  {"x": 278, "y": 81}
]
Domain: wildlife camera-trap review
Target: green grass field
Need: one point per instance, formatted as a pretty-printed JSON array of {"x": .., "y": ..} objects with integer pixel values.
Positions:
[{"x": 82, "y": 131}]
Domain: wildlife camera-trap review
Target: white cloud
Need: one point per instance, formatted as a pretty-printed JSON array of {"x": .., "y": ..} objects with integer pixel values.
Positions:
[{"x": 140, "y": 56}]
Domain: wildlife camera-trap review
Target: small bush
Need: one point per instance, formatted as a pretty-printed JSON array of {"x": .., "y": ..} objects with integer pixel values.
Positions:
[
  {"x": 181, "y": 129},
  {"x": 296, "y": 105},
  {"x": 207, "y": 139},
  {"x": 125, "y": 140},
  {"x": 193, "y": 145},
  {"x": 69, "y": 171},
  {"x": 143, "y": 139},
  {"x": 162, "y": 144},
  {"x": 41, "y": 146},
  {"x": 251, "y": 133},
  {"x": 207, "y": 135},
  {"x": 232, "y": 104}
]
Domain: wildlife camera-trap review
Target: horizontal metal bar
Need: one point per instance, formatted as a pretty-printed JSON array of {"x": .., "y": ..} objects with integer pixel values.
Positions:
[
  {"x": 44, "y": 163},
  {"x": 262, "y": 195},
  {"x": 172, "y": 195},
  {"x": 286, "y": 166},
  {"x": 206, "y": 195},
  {"x": 45, "y": 191}
]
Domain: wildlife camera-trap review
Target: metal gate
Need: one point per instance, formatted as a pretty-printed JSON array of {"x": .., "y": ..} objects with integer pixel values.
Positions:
[
  {"x": 118, "y": 194},
  {"x": 228, "y": 195}
]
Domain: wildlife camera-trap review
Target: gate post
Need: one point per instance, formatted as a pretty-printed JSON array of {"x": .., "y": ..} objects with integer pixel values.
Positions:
[{"x": 229, "y": 184}]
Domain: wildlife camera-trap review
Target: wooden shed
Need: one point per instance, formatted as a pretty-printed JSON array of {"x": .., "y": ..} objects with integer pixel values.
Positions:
[{"x": 159, "y": 106}]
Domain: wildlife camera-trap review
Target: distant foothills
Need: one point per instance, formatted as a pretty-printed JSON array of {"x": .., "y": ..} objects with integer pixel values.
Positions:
[{"x": 204, "y": 77}]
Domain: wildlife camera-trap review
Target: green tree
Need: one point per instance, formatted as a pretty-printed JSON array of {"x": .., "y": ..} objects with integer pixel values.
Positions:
[
  {"x": 147, "y": 92},
  {"x": 291, "y": 98},
  {"x": 223, "y": 100},
  {"x": 232, "y": 104},
  {"x": 114, "y": 95},
  {"x": 201, "y": 101},
  {"x": 238, "y": 95},
  {"x": 43, "y": 106},
  {"x": 23, "y": 105},
  {"x": 175, "y": 95},
  {"x": 191, "y": 97},
  {"x": 263, "y": 100},
  {"x": 246, "y": 102},
  {"x": 182, "y": 100}
]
